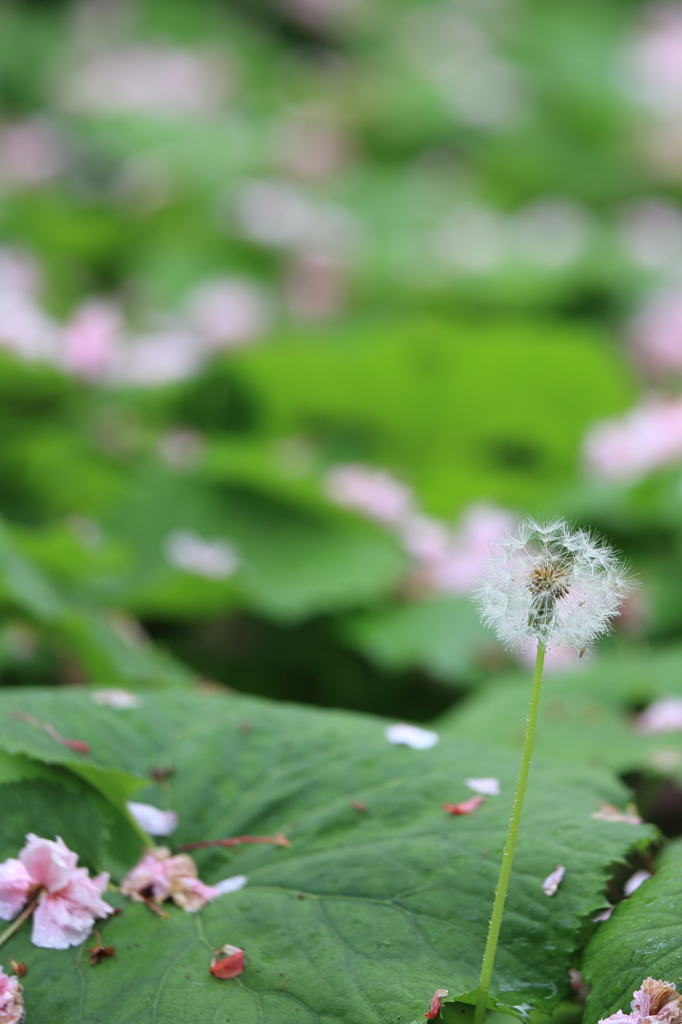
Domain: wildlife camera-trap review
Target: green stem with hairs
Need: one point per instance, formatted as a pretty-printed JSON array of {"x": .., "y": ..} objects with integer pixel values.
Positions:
[
  {"x": 510, "y": 845},
  {"x": 18, "y": 921}
]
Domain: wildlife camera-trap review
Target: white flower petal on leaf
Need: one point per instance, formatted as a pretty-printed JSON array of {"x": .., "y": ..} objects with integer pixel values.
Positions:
[
  {"x": 115, "y": 698},
  {"x": 553, "y": 881},
  {"x": 406, "y": 735},
  {"x": 153, "y": 820},
  {"x": 487, "y": 787},
  {"x": 634, "y": 881},
  {"x": 233, "y": 884}
]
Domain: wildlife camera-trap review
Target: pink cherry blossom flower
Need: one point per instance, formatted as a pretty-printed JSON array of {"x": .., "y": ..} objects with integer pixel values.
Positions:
[
  {"x": 629, "y": 447},
  {"x": 160, "y": 876},
  {"x": 70, "y": 901},
  {"x": 11, "y": 1000},
  {"x": 656, "y": 1002}
]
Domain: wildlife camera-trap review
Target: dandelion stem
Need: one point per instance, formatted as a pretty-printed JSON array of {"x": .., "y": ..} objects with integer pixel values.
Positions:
[
  {"x": 18, "y": 921},
  {"x": 510, "y": 845}
]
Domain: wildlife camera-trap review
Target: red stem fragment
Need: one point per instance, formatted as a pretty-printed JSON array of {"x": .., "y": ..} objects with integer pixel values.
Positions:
[
  {"x": 80, "y": 746},
  {"x": 277, "y": 840}
]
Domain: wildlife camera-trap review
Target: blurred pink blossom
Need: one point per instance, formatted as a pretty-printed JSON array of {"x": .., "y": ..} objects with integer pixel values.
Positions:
[
  {"x": 370, "y": 491},
  {"x": 213, "y": 559},
  {"x": 163, "y": 357},
  {"x": 227, "y": 312},
  {"x": 311, "y": 145},
  {"x": 557, "y": 659},
  {"x": 282, "y": 215},
  {"x": 19, "y": 272},
  {"x": 182, "y": 449},
  {"x": 92, "y": 339},
  {"x": 655, "y": 59},
  {"x": 30, "y": 153},
  {"x": 11, "y": 1000},
  {"x": 629, "y": 447},
  {"x": 148, "y": 79},
  {"x": 656, "y": 334},
  {"x": 450, "y": 561},
  {"x": 70, "y": 901},
  {"x": 317, "y": 14},
  {"x": 552, "y": 233},
  {"x": 663, "y": 715},
  {"x": 314, "y": 286},
  {"x": 651, "y": 233},
  {"x": 25, "y": 329}
]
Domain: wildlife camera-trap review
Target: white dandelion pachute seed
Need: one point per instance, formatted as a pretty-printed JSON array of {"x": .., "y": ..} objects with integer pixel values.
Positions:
[{"x": 553, "y": 585}]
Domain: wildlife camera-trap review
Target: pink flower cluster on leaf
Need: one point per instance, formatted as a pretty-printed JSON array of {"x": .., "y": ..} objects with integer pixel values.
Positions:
[
  {"x": 629, "y": 447},
  {"x": 160, "y": 876},
  {"x": 70, "y": 901},
  {"x": 11, "y": 1000},
  {"x": 656, "y": 1002}
]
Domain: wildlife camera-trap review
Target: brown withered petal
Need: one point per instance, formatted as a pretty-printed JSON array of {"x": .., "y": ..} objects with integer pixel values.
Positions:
[{"x": 18, "y": 968}]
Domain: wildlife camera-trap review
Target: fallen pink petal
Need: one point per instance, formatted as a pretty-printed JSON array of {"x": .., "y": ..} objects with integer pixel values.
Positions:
[
  {"x": 486, "y": 787},
  {"x": 466, "y": 806},
  {"x": 553, "y": 881},
  {"x": 11, "y": 1000},
  {"x": 656, "y": 1002},
  {"x": 229, "y": 965},
  {"x": 434, "y": 1009},
  {"x": 634, "y": 881},
  {"x": 603, "y": 915},
  {"x": 68, "y": 900},
  {"x": 607, "y": 812},
  {"x": 153, "y": 820}
]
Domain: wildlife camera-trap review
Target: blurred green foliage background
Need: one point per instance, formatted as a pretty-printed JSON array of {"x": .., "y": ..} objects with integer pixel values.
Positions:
[{"x": 302, "y": 302}]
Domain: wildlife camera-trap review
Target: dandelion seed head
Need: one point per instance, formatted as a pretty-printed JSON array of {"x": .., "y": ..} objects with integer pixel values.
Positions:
[{"x": 550, "y": 583}]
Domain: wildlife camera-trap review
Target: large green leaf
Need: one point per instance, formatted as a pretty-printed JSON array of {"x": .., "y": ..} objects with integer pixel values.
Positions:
[
  {"x": 369, "y": 911},
  {"x": 640, "y": 939},
  {"x": 48, "y": 810}
]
